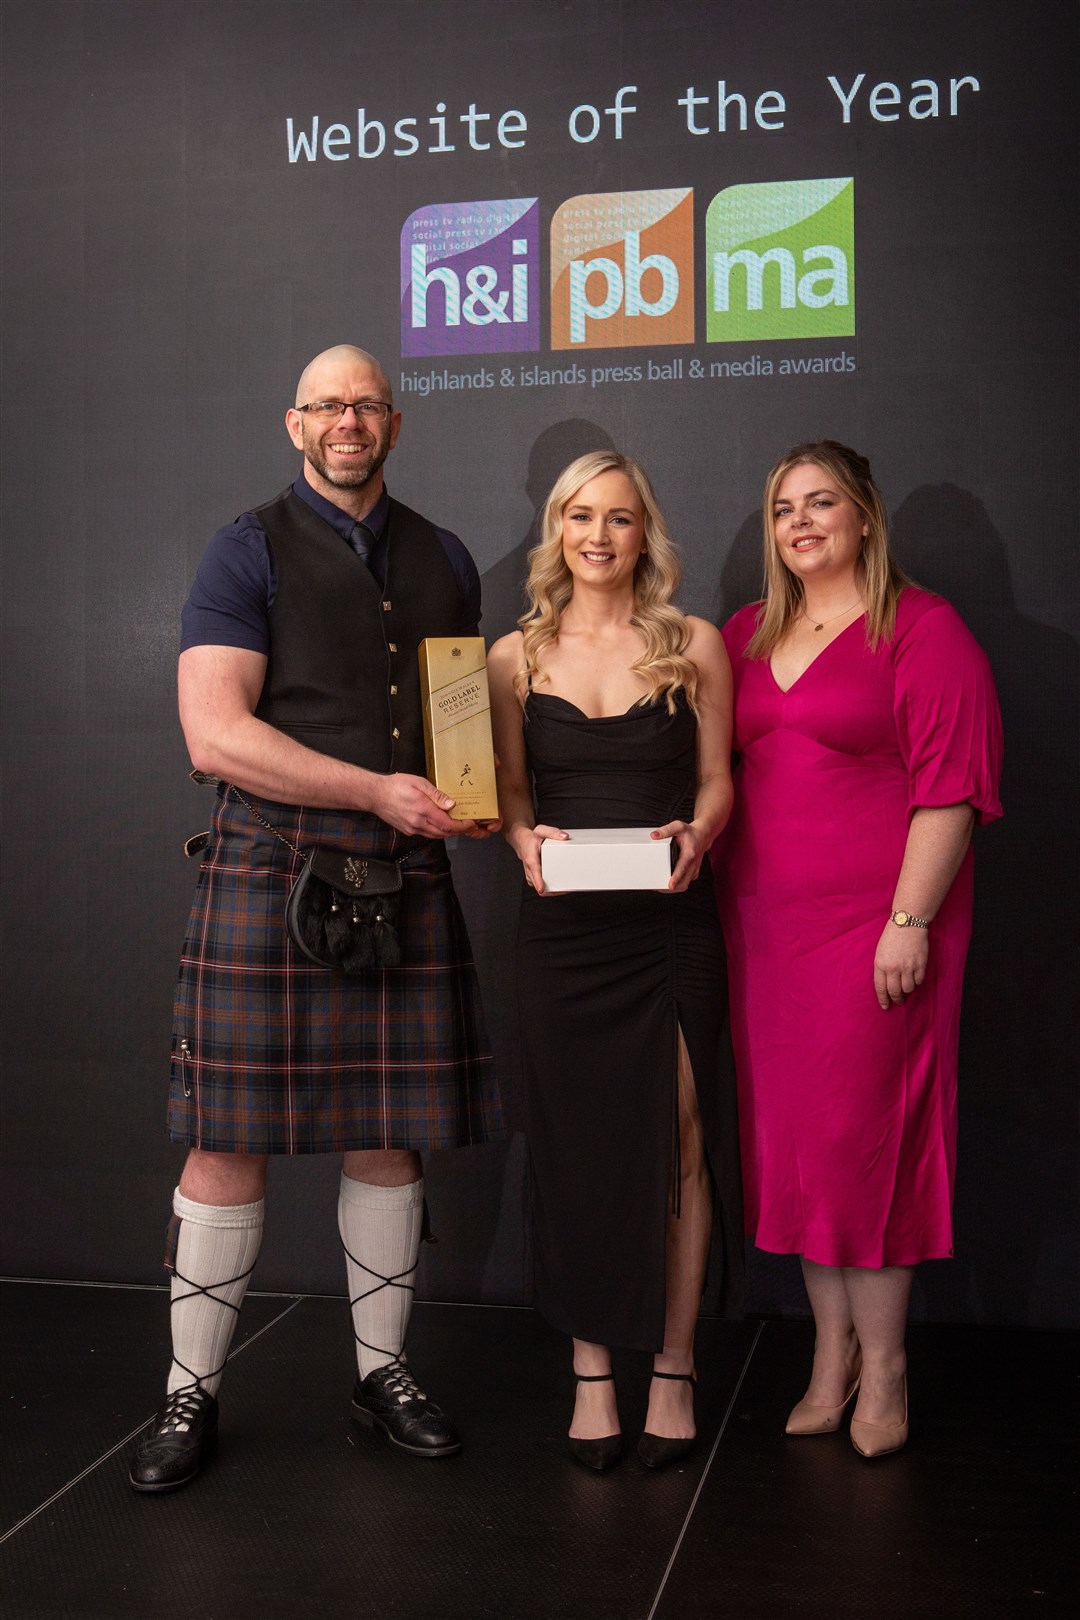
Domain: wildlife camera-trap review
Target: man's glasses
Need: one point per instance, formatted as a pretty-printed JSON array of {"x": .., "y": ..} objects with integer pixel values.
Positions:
[{"x": 329, "y": 410}]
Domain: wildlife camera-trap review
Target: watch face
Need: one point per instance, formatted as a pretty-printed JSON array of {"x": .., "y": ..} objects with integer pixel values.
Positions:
[{"x": 900, "y": 918}]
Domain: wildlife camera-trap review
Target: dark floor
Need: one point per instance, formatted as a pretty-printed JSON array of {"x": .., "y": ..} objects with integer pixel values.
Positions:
[{"x": 297, "y": 1516}]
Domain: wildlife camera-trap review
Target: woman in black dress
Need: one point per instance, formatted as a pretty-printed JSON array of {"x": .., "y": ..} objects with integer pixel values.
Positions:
[{"x": 613, "y": 709}]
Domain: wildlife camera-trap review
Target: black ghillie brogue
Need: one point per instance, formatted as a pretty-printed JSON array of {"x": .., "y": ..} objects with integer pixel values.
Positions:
[
  {"x": 391, "y": 1400},
  {"x": 182, "y": 1436}
]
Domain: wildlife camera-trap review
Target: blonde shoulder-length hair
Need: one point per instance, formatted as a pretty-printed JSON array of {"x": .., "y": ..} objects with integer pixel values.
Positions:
[
  {"x": 881, "y": 580},
  {"x": 550, "y": 585}
]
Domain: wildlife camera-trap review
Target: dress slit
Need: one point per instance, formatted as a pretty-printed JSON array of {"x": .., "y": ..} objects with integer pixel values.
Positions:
[{"x": 726, "y": 1262}]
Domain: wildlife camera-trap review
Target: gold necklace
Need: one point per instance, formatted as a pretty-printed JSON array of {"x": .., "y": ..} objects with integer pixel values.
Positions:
[{"x": 835, "y": 616}]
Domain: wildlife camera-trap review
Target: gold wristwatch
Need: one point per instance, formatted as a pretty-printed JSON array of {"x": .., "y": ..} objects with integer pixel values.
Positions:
[{"x": 904, "y": 919}]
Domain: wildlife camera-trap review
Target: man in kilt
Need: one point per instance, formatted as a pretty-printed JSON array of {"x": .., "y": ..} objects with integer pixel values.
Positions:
[{"x": 299, "y": 692}]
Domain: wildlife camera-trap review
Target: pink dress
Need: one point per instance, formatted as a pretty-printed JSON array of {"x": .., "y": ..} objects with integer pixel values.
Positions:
[{"x": 848, "y": 1113}]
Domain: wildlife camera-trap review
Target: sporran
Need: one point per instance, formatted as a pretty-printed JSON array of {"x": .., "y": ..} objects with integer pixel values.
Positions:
[{"x": 343, "y": 910}]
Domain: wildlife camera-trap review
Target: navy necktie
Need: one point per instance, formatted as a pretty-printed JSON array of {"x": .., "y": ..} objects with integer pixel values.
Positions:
[{"x": 361, "y": 540}]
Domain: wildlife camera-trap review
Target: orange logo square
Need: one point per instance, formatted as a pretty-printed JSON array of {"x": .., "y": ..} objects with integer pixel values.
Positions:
[{"x": 622, "y": 270}]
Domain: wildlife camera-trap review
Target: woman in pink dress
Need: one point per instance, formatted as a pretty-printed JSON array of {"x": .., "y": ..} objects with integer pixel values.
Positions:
[{"x": 869, "y": 741}]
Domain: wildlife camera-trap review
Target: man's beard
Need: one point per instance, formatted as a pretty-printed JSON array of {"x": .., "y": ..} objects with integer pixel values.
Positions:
[{"x": 367, "y": 465}]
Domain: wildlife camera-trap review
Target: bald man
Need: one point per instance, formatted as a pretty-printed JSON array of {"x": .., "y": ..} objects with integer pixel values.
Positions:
[{"x": 299, "y": 694}]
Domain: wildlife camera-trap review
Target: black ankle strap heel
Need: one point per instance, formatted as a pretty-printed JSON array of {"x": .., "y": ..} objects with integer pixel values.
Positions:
[
  {"x": 602, "y": 1454},
  {"x": 657, "y": 1450}
]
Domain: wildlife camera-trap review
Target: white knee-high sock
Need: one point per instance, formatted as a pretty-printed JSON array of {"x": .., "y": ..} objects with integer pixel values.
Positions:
[
  {"x": 215, "y": 1255},
  {"x": 380, "y": 1231}
]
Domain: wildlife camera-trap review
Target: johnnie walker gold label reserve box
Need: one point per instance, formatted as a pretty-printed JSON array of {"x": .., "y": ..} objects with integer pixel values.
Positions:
[{"x": 457, "y": 724}]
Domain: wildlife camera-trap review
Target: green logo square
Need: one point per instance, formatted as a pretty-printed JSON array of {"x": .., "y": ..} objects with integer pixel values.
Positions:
[{"x": 780, "y": 261}]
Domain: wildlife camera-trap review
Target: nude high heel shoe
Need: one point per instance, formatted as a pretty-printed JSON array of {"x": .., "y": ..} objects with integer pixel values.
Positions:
[
  {"x": 807, "y": 1419},
  {"x": 878, "y": 1439}
]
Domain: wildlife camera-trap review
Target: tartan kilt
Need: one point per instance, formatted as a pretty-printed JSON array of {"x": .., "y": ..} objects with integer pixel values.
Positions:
[{"x": 274, "y": 1054}]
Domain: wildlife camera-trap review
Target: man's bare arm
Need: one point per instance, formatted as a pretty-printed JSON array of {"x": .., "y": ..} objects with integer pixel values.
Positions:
[{"x": 219, "y": 689}]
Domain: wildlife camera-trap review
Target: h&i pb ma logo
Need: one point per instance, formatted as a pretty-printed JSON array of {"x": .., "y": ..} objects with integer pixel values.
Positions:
[{"x": 779, "y": 263}]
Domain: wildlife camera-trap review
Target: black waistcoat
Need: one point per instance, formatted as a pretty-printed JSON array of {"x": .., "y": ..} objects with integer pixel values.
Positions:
[{"x": 343, "y": 676}]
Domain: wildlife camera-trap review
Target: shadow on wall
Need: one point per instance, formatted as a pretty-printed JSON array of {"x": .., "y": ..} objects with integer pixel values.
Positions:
[
  {"x": 740, "y": 578},
  {"x": 1018, "y": 1131},
  {"x": 556, "y": 448},
  {"x": 1015, "y": 1209}
]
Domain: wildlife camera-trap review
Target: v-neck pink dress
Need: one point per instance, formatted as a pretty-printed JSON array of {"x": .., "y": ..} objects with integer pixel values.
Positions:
[{"x": 848, "y": 1113}]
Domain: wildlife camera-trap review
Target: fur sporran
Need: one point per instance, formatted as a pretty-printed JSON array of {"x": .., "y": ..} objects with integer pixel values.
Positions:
[{"x": 343, "y": 910}]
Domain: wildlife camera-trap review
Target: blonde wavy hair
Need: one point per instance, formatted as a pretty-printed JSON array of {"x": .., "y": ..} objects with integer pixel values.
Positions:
[
  {"x": 550, "y": 585},
  {"x": 881, "y": 580}
]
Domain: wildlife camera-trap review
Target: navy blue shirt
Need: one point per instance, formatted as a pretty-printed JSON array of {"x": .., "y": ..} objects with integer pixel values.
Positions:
[{"x": 233, "y": 591}]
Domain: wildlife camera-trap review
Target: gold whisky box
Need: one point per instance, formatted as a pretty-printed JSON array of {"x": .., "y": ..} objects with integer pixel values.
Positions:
[{"x": 457, "y": 724}]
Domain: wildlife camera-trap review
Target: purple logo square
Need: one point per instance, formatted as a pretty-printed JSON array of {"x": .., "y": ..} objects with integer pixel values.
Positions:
[{"x": 470, "y": 278}]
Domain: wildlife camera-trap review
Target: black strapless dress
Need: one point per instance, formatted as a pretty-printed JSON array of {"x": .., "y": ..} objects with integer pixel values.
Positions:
[{"x": 605, "y": 983}]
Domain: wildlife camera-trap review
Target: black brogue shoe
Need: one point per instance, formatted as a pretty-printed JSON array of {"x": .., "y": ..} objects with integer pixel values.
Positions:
[
  {"x": 391, "y": 1400},
  {"x": 182, "y": 1436}
]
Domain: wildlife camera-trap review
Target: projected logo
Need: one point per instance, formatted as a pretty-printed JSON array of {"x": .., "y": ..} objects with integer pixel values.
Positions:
[
  {"x": 622, "y": 270},
  {"x": 470, "y": 278},
  {"x": 780, "y": 261}
]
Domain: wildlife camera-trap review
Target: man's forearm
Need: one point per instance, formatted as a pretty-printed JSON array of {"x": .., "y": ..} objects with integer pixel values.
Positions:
[
  {"x": 219, "y": 689},
  {"x": 260, "y": 759}
]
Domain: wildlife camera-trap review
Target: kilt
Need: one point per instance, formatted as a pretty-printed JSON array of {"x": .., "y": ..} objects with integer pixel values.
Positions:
[{"x": 274, "y": 1054}]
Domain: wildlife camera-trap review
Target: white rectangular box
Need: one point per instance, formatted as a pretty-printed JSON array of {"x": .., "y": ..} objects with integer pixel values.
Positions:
[{"x": 605, "y": 858}]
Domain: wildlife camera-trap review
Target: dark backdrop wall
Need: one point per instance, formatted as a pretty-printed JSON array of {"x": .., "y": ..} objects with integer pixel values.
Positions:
[{"x": 200, "y": 196}]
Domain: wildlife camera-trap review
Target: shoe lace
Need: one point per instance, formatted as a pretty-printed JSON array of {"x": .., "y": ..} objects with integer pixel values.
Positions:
[
  {"x": 180, "y": 1410},
  {"x": 398, "y": 1384}
]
